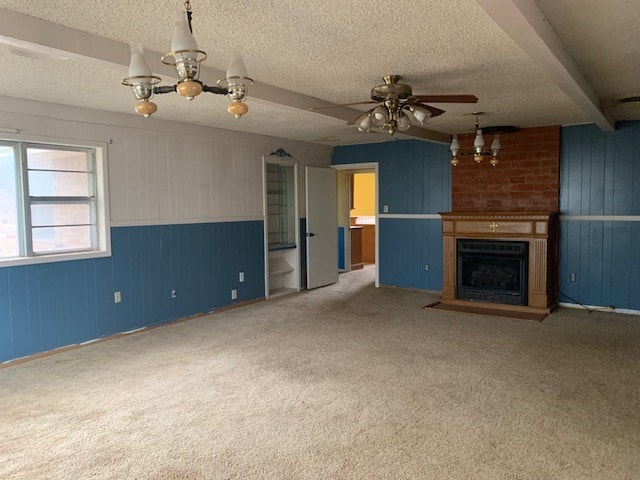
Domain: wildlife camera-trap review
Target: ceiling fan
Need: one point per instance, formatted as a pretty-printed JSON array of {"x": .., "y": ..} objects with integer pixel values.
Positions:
[{"x": 399, "y": 108}]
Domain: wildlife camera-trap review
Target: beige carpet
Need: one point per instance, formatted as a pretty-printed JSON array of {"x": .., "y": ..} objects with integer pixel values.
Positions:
[{"x": 345, "y": 382}]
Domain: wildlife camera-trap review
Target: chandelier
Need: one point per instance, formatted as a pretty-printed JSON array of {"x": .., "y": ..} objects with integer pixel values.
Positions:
[
  {"x": 186, "y": 58},
  {"x": 479, "y": 151}
]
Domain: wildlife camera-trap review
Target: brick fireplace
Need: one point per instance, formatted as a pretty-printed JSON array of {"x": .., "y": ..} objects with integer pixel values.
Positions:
[
  {"x": 514, "y": 203},
  {"x": 525, "y": 180}
]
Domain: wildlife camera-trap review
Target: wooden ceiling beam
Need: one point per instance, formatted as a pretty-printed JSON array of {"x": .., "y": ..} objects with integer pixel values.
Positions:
[
  {"x": 526, "y": 25},
  {"x": 24, "y": 31}
]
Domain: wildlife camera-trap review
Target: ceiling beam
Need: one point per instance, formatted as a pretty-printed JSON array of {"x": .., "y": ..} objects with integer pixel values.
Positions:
[
  {"x": 526, "y": 25},
  {"x": 38, "y": 35}
]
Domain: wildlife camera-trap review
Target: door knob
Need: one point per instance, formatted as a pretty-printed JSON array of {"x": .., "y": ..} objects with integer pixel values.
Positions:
[{"x": 311, "y": 234}]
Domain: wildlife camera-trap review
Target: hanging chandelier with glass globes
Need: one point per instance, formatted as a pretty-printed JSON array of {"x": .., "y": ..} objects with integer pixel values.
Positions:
[
  {"x": 479, "y": 151},
  {"x": 186, "y": 58}
]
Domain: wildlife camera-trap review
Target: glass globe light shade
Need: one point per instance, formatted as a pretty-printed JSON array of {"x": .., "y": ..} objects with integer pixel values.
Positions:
[
  {"x": 404, "y": 123},
  {"x": 478, "y": 143},
  {"x": 363, "y": 122},
  {"x": 138, "y": 66},
  {"x": 380, "y": 116},
  {"x": 420, "y": 114},
  {"x": 495, "y": 145},
  {"x": 182, "y": 36},
  {"x": 237, "y": 68},
  {"x": 455, "y": 146}
]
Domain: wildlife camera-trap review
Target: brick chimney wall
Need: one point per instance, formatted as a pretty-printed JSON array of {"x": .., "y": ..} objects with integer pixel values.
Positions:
[{"x": 525, "y": 180}]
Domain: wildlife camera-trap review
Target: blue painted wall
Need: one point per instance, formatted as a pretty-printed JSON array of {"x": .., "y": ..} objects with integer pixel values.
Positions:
[
  {"x": 414, "y": 177},
  {"x": 600, "y": 175},
  {"x": 47, "y": 306}
]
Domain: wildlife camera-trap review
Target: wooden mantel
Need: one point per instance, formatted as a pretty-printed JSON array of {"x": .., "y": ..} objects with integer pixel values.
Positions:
[{"x": 539, "y": 229}]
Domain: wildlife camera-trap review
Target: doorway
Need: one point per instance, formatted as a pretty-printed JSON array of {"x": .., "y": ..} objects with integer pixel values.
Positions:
[
  {"x": 362, "y": 221},
  {"x": 357, "y": 217}
]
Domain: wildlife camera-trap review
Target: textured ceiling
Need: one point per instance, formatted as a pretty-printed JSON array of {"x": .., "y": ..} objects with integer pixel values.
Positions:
[
  {"x": 604, "y": 39},
  {"x": 265, "y": 118},
  {"x": 336, "y": 50}
]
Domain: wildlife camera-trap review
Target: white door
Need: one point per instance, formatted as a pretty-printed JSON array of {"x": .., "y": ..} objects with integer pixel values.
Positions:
[{"x": 322, "y": 227}]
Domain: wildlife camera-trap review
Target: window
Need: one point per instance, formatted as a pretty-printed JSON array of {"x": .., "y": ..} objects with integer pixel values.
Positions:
[{"x": 52, "y": 204}]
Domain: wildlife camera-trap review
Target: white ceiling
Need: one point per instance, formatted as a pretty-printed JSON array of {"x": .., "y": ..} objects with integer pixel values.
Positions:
[{"x": 530, "y": 63}]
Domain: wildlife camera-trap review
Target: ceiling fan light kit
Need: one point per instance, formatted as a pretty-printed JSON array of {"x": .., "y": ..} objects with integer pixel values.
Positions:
[
  {"x": 479, "y": 152},
  {"x": 397, "y": 112},
  {"x": 186, "y": 58},
  {"x": 399, "y": 108}
]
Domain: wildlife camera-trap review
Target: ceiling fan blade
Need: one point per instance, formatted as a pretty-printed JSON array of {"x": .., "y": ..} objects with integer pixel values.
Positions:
[
  {"x": 434, "y": 111},
  {"x": 444, "y": 98},
  {"x": 342, "y": 105}
]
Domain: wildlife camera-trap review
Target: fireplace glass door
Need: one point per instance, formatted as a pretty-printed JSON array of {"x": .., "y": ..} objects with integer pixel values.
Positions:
[{"x": 492, "y": 271}]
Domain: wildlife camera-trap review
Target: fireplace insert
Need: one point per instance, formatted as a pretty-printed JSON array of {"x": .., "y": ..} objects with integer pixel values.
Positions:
[{"x": 492, "y": 271}]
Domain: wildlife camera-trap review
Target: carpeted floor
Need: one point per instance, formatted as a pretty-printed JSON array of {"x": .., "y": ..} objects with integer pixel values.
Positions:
[{"x": 344, "y": 382}]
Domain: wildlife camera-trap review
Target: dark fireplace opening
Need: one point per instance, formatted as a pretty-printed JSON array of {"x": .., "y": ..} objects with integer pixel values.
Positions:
[{"x": 492, "y": 271}]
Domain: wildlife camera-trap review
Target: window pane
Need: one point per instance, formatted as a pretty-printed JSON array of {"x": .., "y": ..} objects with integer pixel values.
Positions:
[
  {"x": 9, "y": 242},
  {"x": 60, "y": 214},
  {"x": 46, "y": 159},
  {"x": 59, "y": 184},
  {"x": 51, "y": 239}
]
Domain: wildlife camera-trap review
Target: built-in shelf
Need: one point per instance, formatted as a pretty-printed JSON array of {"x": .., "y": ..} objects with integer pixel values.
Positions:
[
  {"x": 282, "y": 262},
  {"x": 273, "y": 248},
  {"x": 278, "y": 265},
  {"x": 279, "y": 292},
  {"x": 280, "y": 202}
]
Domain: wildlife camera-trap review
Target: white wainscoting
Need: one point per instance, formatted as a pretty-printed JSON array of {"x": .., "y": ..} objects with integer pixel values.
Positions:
[{"x": 166, "y": 172}]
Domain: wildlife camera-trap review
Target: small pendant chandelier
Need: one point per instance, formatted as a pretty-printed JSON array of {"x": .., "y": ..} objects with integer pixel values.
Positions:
[
  {"x": 479, "y": 152},
  {"x": 186, "y": 58}
]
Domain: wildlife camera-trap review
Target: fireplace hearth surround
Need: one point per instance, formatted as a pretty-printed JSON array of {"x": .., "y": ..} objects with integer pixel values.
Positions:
[{"x": 501, "y": 260}]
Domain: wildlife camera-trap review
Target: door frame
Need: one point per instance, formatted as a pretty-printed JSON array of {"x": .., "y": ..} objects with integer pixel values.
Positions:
[{"x": 360, "y": 168}]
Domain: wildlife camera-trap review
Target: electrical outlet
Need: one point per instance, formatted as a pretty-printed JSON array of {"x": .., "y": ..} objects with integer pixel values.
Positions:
[
  {"x": 241, "y": 277},
  {"x": 174, "y": 294},
  {"x": 426, "y": 267},
  {"x": 234, "y": 294},
  {"x": 117, "y": 297},
  {"x": 385, "y": 209},
  {"x": 572, "y": 277}
]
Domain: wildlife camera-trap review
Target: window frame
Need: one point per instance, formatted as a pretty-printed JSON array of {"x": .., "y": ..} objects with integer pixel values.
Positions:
[{"x": 98, "y": 195}]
